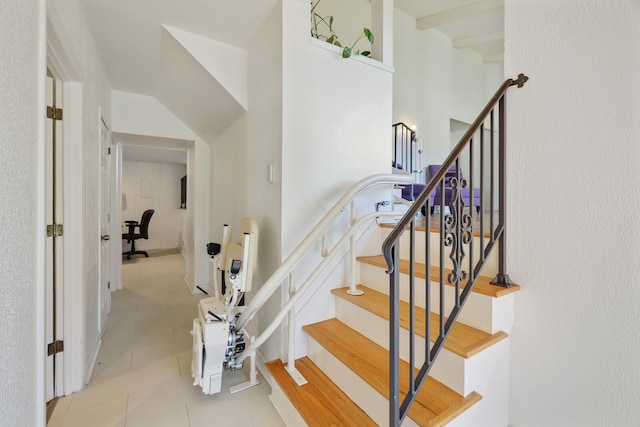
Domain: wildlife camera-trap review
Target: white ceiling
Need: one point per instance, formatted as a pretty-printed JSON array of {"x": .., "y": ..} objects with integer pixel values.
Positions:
[
  {"x": 141, "y": 57},
  {"x": 473, "y": 24}
]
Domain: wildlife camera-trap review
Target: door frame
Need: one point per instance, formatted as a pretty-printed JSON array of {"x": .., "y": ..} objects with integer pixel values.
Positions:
[
  {"x": 116, "y": 215},
  {"x": 54, "y": 214},
  {"x": 104, "y": 307},
  {"x": 61, "y": 62}
]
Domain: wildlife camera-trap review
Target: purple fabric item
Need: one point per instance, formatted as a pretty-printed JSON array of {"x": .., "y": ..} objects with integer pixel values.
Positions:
[
  {"x": 412, "y": 191},
  {"x": 448, "y": 191}
]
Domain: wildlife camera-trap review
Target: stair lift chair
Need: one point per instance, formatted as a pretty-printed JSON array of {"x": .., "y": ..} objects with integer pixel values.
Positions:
[
  {"x": 448, "y": 191},
  {"x": 216, "y": 342},
  {"x": 131, "y": 236}
]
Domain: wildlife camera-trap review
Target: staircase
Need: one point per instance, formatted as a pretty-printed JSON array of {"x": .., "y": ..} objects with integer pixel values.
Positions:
[
  {"x": 401, "y": 350},
  {"x": 347, "y": 362}
]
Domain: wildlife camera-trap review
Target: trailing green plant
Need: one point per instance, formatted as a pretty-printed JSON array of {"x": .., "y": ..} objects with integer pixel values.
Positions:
[{"x": 332, "y": 38}]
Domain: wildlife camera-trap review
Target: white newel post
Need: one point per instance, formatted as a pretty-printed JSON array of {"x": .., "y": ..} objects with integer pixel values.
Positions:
[
  {"x": 352, "y": 256},
  {"x": 291, "y": 356}
]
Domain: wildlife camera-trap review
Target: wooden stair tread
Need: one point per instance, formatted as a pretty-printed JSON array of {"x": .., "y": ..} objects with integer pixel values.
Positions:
[
  {"x": 320, "y": 402},
  {"x": 463, "y": 340},
  {"x": 435, "y": 405},
  {"x": 482, "y": 286}
]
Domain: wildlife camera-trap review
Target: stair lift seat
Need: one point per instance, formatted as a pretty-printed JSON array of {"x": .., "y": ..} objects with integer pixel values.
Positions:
[
  {"x": 131, "y": 236},
  {"x": 448, "y": 191},
  {"x": 216, "y": 342}
]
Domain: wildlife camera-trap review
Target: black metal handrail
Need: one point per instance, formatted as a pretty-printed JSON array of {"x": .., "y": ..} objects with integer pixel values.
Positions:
[
  {"x": 404, "y": 150},
  {"x": 456, "y": 231}
]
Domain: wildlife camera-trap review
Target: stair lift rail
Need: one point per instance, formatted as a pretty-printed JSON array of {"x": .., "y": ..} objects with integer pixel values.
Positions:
[
  {"x": 287, "y": 268},
  {"x": 456, "y": 233}
]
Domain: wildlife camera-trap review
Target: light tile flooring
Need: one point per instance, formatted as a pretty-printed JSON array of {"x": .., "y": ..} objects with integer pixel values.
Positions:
[{"x": 143, "y": 373}]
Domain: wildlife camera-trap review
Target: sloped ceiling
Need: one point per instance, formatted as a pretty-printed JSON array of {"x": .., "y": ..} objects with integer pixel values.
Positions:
[
  {"x": 181, "y": 51},
  {"x": 191, "y": 92},
  {"x": 159, "y": 48}
]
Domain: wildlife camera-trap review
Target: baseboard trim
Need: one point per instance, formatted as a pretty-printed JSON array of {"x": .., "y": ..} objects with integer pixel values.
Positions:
[{"x": 91, "y": 361}]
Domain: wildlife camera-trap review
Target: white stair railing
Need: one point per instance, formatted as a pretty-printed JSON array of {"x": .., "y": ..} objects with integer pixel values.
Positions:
[{"x": 308, "y": 286}]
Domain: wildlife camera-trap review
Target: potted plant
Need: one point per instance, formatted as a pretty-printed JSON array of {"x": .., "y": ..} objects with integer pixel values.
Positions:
[{"x": 318, "y": 22}]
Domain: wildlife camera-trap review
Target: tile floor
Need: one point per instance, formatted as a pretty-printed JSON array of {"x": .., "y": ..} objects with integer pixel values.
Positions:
[{"x": 143, "y": 373}]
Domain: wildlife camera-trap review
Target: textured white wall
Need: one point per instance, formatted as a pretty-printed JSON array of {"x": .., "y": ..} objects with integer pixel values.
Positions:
[
  {"x": 21, "y": 258},
  {"x": 574, "y": 198},
  {"x": 161, "y": 182}
]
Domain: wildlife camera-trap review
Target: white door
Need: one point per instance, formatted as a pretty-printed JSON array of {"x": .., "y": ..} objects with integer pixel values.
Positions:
[
  {"x": 54, "y": 242},
  {"x": 104, "y": 292}
]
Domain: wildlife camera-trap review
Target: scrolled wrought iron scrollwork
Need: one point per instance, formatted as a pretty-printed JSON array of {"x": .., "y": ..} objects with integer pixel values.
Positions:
[{"x": 458, "y": 230}]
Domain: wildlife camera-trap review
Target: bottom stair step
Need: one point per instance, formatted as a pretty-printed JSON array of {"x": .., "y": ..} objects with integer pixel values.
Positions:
[
  {"x": 319, "y": 402},
  {"x": 435, "y": 405}
]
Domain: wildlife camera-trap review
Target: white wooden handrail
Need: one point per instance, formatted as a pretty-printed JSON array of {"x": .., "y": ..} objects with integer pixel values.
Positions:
[
  {"x": 306, "y": 286},
  {"x": 272, "y": 284},
  {"x": 307, "y": 289}
]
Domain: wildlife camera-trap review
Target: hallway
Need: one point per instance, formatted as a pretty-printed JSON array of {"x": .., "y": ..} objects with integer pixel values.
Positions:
[{"x": 143, "y": 373}]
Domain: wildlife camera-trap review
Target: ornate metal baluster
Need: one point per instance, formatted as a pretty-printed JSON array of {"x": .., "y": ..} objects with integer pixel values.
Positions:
[{"x": 458, "y": 232}]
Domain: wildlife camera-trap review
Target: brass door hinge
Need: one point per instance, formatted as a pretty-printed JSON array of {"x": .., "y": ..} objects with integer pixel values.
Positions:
[
  {"x": 54, "y": 113},
  {"x": 54, "y": 230},
  {"x": 55, "y": 347}
]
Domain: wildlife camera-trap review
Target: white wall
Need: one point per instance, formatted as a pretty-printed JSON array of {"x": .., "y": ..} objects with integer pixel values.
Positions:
[
  {"x": 329, "y": 140},
  {"x": 240, "y": 161},
  {"x": 473, "y": 83},
  {"x": 434, "y": 83},
  {"x": 145, "y": 115},
  {"x": 573, "y": 206},
  {"x": 228, "y": 178},
  {"x": 21, "y": 261},
  {"x": 405, "y": 101},
  {"x": 155, "y": 186},
  {"x": 263, "y": 199}
]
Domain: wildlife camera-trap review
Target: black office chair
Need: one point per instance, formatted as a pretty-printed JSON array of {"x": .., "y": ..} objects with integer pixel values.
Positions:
[{"x": 132, "y": 236}]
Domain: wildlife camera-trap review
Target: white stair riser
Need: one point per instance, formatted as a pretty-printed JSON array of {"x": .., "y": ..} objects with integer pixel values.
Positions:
[
  {"x": 485, "y": 372},
  {"x": 372, "y": 403},
  {"x": 284, "y": 407},
  {"x": 449, "y": 368},
  {"x": 490, "y": 268},
  {"x": 480, "y": 311},
  {"x": 488, "y": 374}
]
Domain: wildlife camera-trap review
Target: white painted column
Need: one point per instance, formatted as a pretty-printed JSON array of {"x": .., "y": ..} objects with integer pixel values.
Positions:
[{"x": 382, "y": 28}]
